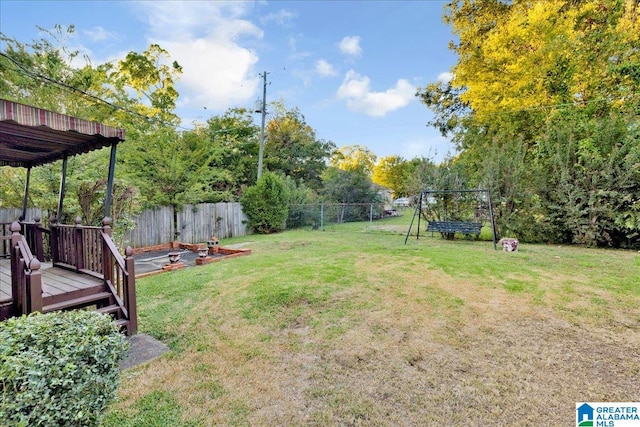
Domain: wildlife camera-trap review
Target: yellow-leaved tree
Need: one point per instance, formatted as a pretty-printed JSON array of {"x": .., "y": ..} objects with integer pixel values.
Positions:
[
  {"x": 525, "y": 55},
  {"x": 543, "y": 107},
  {"x": 354, "y": 158}
]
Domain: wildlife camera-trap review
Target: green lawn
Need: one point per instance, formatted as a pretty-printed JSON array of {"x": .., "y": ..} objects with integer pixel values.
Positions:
[{"x": 350, "y": 326}]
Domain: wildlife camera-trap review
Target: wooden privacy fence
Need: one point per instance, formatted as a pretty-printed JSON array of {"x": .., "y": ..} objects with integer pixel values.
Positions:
[
  {"x": 151, "y": 227},
  {"x": 196, "y": 224}
]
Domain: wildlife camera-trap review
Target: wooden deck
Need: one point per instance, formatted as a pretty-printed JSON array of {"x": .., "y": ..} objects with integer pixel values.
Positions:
[
  {"x": 57, "y": 283},
  {"x": 5, "y": 280}
]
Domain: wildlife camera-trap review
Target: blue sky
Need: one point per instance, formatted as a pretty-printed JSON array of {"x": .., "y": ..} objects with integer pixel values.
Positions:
[{"x": 351, "y": 67}]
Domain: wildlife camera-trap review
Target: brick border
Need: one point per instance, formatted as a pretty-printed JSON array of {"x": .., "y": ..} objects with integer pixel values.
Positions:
[{"x": 193, "y": 247}]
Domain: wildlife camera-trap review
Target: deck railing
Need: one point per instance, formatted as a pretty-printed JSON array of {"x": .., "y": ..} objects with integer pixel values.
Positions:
[
  {"x": 38, "y": 239},
  {"x": 26, "y": 279},
  {"x": 77, "y": 247},
  {"x": 119, "y": 275},
  {"x": 84, "y": 249}
]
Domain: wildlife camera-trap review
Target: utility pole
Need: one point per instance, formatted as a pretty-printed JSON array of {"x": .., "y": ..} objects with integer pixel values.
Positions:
[{"x": 263, "y": 110}]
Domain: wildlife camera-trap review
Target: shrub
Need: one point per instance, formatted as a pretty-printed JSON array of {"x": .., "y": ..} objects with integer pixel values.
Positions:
[
  {"x": 267, "y": 204},
  {"x": 58, "y": 369}
]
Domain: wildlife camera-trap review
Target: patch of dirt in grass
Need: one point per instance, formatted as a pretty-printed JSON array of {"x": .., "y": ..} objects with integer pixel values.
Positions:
[
  {"x": 390, "y": 228},
  {"x": 495, "y": 363}
]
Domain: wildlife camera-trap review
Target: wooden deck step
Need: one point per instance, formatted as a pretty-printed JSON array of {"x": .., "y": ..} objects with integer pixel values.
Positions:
[
  {"x": 77, "y": 302},
  {"x": 122, "y": 324},
  {"x": 110, "y": 309}
]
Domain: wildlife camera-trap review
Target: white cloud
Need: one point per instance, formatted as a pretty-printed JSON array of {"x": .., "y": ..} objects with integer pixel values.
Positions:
[
  {"x": 355, "y": 89},
  {"x": 217, "y": 74},
  {"x": 445, "y": 77},
  {"x": 281, "y": 17},
  {"x": 188, "y": 19},
  {"x": 350, "y": 45},
  {"x": 208, "y": 40},
  {"x": 98, "y": 34},
  {"x": 325, "y": 69}
]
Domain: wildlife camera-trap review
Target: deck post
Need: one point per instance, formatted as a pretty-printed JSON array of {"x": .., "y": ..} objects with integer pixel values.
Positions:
[
  {"x": 78, "y": 244},
  {"x": 38, "y": 244},
  {"x": 130, "y": 291},
  {"x": 63, "y": 184},
  {"x": 34, "y": 287},
  {"x": 26, "y": 194},
  {"x": 108, "y": 195},
  {"x": 107, "y": 268},
  {"x": 55, "y": 254},
  {"x": 18, "y": 306}
]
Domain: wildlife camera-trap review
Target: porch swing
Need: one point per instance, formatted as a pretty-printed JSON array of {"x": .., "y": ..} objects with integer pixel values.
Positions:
[{"x": 451, "y": 212}]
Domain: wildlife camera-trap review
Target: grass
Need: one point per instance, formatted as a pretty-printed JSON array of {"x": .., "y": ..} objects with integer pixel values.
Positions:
[{"x": 352, "y": 327}]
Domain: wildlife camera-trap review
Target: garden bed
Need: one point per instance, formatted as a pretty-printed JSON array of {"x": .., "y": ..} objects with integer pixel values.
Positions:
[{"x": 154, "y": 260}]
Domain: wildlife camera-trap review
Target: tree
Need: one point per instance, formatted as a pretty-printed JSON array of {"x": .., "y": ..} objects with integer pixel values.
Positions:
[
  {"x": 393, "y": 172},
  {"x": 534, "y": 55},
  {"x": 236, "y": 137},
  {"x": 293, "y": 149},
  {"x": 541, "y": 108},
  {"x": 348, "y": 187},
  {"x": 354, "y": 158},
  {"x": 28, "y": 72},
  {"x": 353, "y": 190},
  {"x": 152, "y": 80},
  {"x": 172, "y": 168}
]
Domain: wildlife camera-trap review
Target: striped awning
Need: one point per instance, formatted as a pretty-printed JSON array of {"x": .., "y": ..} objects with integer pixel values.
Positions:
[{"x": 32, "y": 136}]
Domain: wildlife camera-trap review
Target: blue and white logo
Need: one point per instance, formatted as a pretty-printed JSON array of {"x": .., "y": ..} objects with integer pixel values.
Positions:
[
  {"x": 585, "y": 415},
  {"x": 608, "y": 414}
]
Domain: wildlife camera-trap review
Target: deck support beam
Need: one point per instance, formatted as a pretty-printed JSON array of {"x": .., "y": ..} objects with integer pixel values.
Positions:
[
  {"x": 108, "y": 195},
  {"x": 26, "y": 194},
  {"x": 63, "y": 184}
]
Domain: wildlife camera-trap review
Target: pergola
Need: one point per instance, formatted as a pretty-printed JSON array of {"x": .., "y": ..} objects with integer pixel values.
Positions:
[
  {"x": 32, "y": 137},
  {"x": 84, "y": 267}
]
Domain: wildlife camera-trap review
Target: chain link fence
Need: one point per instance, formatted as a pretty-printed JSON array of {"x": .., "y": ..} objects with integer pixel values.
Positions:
[{"x": 326, "y": 216}]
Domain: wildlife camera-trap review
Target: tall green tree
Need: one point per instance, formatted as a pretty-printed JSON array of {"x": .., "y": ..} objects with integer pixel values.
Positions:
[
  {"x": 293, "y": 149},
  {"x": 342, "y": 186},
  {"x": 235, "y": 136}
]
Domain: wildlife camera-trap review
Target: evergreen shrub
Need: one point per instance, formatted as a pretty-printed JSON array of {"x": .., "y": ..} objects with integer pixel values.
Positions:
[
  {"x": 267, "y": 204},
  {"x": 58, "y": 369}
]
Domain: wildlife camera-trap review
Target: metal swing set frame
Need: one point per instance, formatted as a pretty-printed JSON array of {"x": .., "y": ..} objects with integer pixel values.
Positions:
[{"x": 452, "y": 227}]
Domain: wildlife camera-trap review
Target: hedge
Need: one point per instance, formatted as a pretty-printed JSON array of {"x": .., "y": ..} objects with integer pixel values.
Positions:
[{"x": 58, "y": 369}]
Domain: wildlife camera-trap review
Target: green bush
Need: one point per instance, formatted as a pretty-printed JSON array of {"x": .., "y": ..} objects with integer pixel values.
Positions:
[
  {"x": 267, "y": 204},
  {"x": 58, "y": 369}
]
